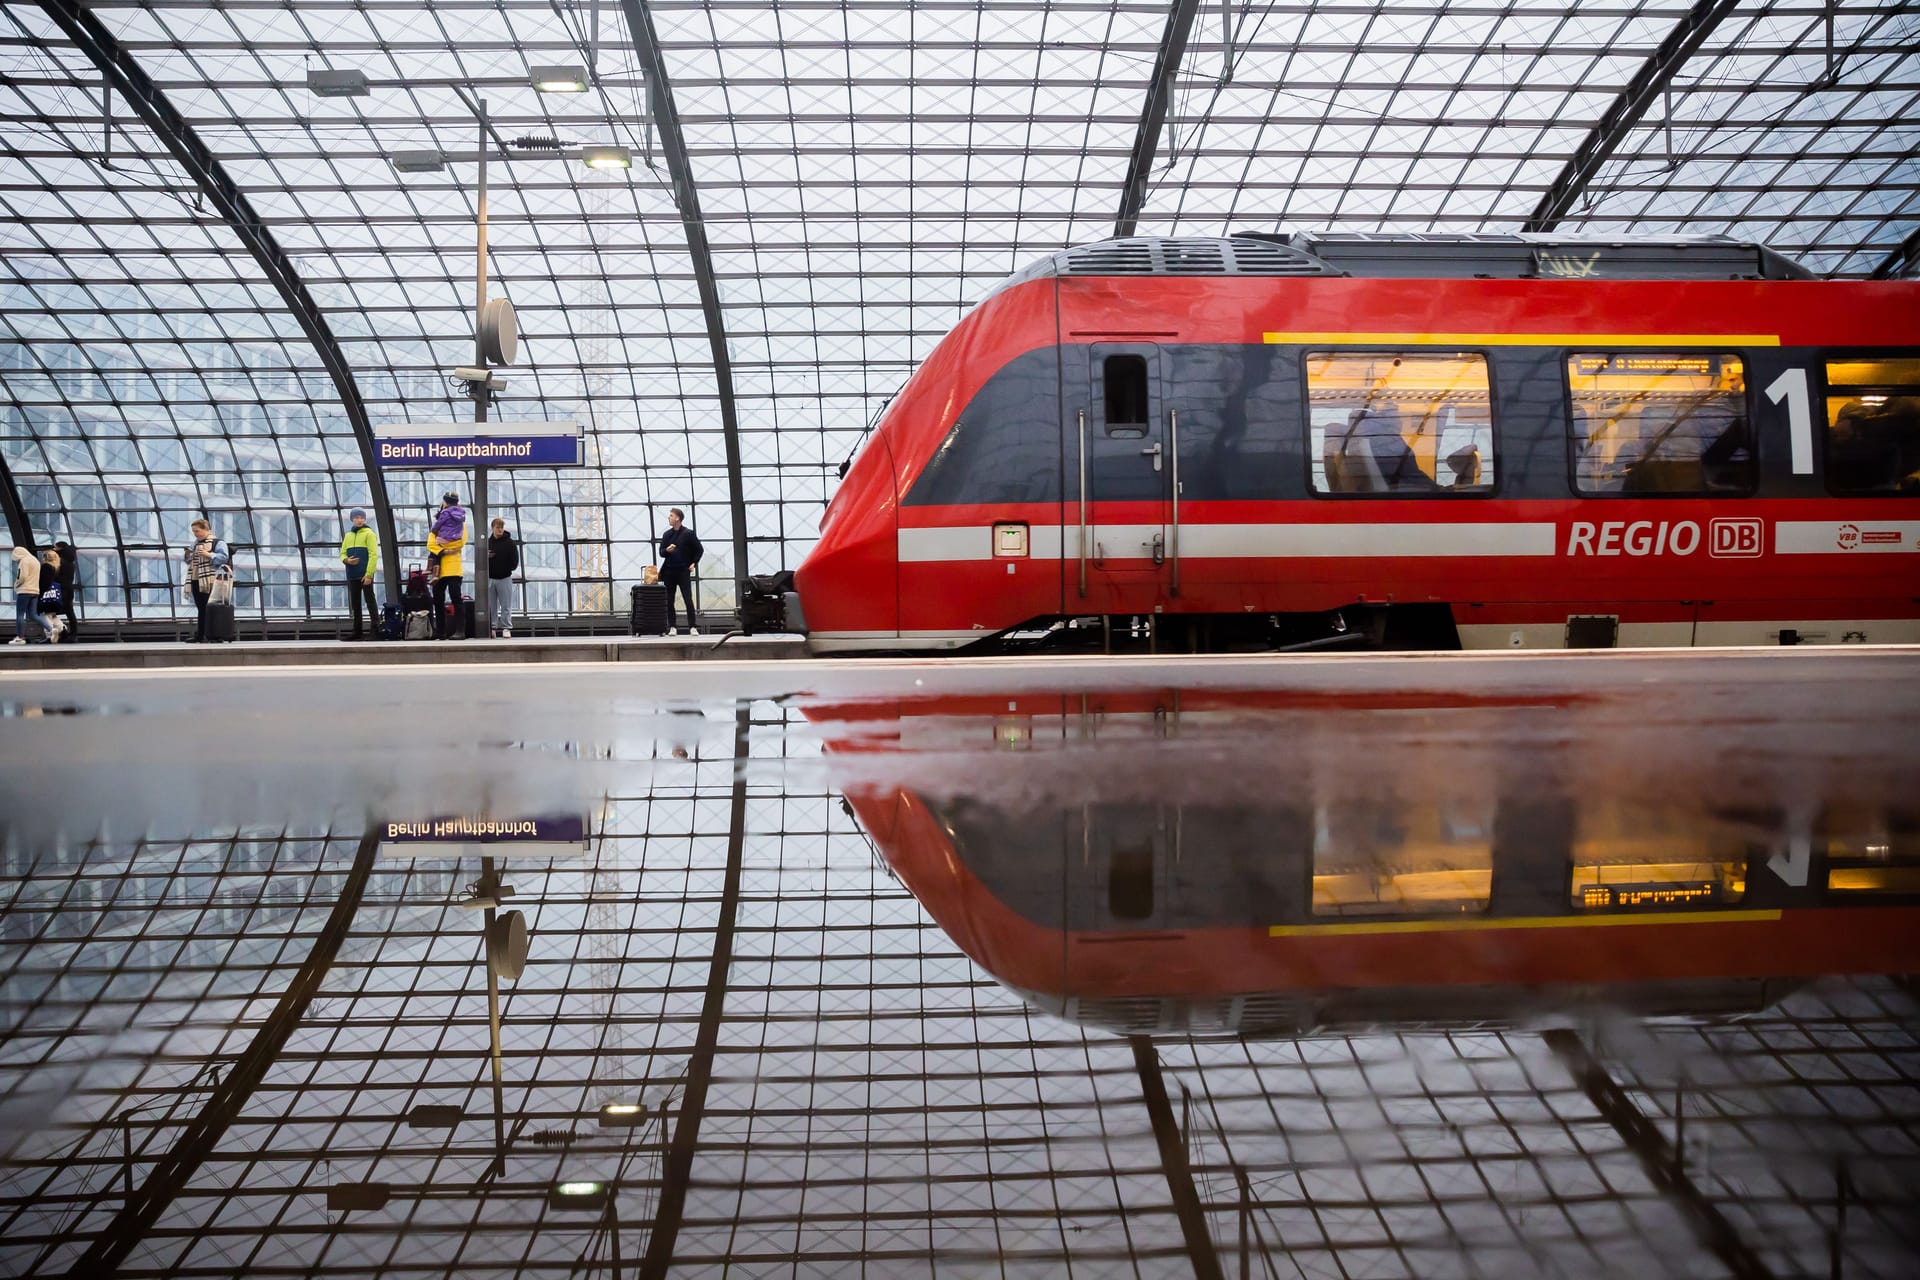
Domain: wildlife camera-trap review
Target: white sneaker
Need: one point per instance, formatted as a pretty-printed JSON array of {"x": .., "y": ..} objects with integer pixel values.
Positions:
[
  {"x": 18, "y": 640},
  {"x": 673, "y": 631},
  {"x": 507, "y": 634},
  {"x": 693, "y": 631}
]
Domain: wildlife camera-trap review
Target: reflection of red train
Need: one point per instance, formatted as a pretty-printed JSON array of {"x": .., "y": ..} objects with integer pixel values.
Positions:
[
  {"x": 1337, "y": 900},
  {"x": 1245, "y": 442}
]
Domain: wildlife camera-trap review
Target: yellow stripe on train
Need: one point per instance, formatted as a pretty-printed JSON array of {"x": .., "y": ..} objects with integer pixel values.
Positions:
[
  {"x": 1582, "y": 341},
  {"x": 1481, "y": 924}
]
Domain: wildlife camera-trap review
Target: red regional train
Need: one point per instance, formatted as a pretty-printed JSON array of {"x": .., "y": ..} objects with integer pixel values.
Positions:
[
  {"x": 1470, "y": 441},
  {"x": 1124, "y": 887}
]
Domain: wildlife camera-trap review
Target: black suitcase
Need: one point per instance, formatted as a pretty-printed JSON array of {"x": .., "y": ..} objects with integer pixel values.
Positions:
[
  {"x": 220, "y": 622},
  {"x": 650, "y": 609},
  {"x": 460, "y": 618}
]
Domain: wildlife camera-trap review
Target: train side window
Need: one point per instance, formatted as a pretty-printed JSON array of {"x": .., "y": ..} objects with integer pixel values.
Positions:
[
  {"x": 1873, "y": 426},
  {"x": 1405, "y": 423},
  {"x": 1648, "y": 422},
  {"x": 1125, "y": 379},
  {"x": 1395, "y": 858},
  {"x": 1635, "y": 857}
]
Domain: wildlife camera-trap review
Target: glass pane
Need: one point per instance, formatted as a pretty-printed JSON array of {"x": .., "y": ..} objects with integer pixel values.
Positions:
[
  {"x": 1873, "y": 426},
  {"x": 1652, "y": 422},
  {"x": 1401, "y": 422},
  {"x": 1373, "y": 857}
]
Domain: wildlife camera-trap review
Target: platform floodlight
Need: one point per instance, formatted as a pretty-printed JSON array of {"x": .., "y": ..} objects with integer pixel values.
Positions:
[
  {"x": 418, "y": 161},
  {"x": 577, "y": 1197},
  {"x": 345, "y": 1196},
  {"x": 326, "y": 83},
  {"x": 434, "y": 1115},
  {"x": 622, "y": 1115},
  {"x": 559, "y": 79},
  {"x": 606, "y": 157}
]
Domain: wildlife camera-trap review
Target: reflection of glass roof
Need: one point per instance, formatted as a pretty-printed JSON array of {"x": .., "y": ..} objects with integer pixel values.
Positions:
[
  {"x": 843, "y": 1088},
  {"x": 863, "y": 173}
]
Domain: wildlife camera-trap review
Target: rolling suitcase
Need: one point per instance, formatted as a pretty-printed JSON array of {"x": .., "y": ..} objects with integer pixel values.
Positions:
[
  {"x": 418, "y": 583},
  {"x": 220, "y": 626},
  {"x": 460, "y": 618},
  {"x": 650, "y": 610}
]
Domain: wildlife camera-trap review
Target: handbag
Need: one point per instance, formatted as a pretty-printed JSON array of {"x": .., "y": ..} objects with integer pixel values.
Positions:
[{"x": 220, "y": 588}]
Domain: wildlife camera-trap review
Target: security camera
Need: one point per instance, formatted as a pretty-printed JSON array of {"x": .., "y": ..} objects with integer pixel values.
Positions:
[{"x": 468, "y": 373}]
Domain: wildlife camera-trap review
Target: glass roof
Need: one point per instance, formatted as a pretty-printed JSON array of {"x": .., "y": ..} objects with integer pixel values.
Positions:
[{"x": 865, "y": 172}]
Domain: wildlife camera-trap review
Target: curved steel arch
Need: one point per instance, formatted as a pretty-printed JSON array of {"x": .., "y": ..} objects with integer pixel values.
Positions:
[
  {"x": 1904, "y": 259},
  {"x": 1613, "y": 126},
  {"x": 125, "y": 74},
  {"x": 17, "y": 524},
  {"x": 1153, "y": 115},
  {"x": 686, "y": 196}
]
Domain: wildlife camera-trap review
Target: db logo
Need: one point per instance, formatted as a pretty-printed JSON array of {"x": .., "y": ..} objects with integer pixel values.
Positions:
[
  {"x": 1734, "y": 538},
  {"x": 1849, "y": 537}
]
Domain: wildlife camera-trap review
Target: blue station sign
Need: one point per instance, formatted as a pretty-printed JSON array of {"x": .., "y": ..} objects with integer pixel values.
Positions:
[
  {"x": 551, "y": 835},
  {"x": 431, "y": 446}
]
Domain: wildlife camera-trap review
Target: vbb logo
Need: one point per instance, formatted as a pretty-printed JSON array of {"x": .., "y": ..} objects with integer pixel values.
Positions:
[{"x": 1734, "y": 538}]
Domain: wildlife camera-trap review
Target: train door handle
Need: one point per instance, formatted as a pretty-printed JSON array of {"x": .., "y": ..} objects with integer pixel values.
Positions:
[
  {"x": 1154, "y": 453},
  {"x": 1159, "y": 548}
]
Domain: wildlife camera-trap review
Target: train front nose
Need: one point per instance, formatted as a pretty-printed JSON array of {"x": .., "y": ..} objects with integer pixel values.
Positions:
[{"x": 848, "y": 588}]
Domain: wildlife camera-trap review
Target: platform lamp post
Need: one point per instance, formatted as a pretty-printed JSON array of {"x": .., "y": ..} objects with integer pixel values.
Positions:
[{"x": 495, "y": 334}]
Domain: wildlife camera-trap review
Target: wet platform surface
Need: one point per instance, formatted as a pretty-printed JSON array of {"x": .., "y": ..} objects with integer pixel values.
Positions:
[
  {"x": 715, "y": 647},
  {"x": 1328, "y": 965}
]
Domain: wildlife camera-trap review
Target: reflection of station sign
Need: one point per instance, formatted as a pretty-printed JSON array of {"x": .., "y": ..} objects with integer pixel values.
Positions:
[
  {"x": 548, "y": 837},
  {"x": 423, "y": 446}
]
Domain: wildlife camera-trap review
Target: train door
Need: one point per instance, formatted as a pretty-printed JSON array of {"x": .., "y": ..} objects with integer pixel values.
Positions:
[{"x": 1126, "y": 483}]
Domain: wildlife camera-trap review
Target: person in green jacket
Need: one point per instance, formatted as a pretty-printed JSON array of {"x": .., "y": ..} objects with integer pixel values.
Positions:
[{"x": 360, "y": 555}]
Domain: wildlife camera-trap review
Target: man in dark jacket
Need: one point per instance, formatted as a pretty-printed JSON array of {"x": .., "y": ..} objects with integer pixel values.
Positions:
[
  {"x": 680, "y": 550},
  {"x": 70, "y": 588},
  {"x": 503, "y": 557}
]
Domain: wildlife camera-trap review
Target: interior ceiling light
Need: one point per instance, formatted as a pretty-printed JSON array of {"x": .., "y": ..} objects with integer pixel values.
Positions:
[
  {"x": 418, "y": 161},
  {"x": 337, "y": 84},
  {"x": 559, "y": 79},
  {"x": 606, "y": 157}
]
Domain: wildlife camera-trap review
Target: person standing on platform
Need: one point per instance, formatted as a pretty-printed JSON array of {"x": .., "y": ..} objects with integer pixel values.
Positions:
[
  {"x": 360, "y": 555},
  {"x": 70, "y": 588},
  {"x": 26, "y": 596},
  {"x": 53, "y": 597},
  {"x": 444, "y": 543},
  {"x": 503, "y": 557},
  {"x": 205, "y": 558},
  {"x": 680, "y": 550}
]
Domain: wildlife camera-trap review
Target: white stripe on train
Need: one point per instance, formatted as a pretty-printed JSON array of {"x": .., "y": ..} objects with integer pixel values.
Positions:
[
  {"x": 949, "y": 544},
  {"x": 1238, "y": 541}
]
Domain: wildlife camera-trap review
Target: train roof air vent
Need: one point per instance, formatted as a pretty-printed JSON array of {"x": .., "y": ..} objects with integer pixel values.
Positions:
[
  {"x": 1111, "y": 258},
  {"x": 1194, "y": 257},
  {"x": 1253, "y": 257},
  {"x": 1190, "y": 256}
]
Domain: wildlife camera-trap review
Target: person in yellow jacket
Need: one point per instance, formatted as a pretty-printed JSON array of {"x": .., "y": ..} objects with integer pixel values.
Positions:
[
  {"x": 444, "y": 543},
  {"x": 360, "y": 556}
]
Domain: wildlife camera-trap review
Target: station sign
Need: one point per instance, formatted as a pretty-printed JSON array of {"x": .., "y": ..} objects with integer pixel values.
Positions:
[
  {"x": 539, "y": 837},
  {"x": 433, "y": 446}
]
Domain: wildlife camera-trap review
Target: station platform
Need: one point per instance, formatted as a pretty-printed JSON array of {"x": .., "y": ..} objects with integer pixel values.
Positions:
[{"x": 429, "y": 653}]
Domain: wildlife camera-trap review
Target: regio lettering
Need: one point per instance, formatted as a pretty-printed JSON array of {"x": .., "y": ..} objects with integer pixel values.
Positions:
[{"x": 1633, "y": 537}]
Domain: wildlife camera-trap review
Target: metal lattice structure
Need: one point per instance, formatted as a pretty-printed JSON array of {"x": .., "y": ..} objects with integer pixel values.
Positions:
[{"x": 833, "y": 186}]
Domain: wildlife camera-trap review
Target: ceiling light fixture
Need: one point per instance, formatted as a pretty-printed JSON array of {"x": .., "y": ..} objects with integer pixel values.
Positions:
[{"x": 559, "y": 79}]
